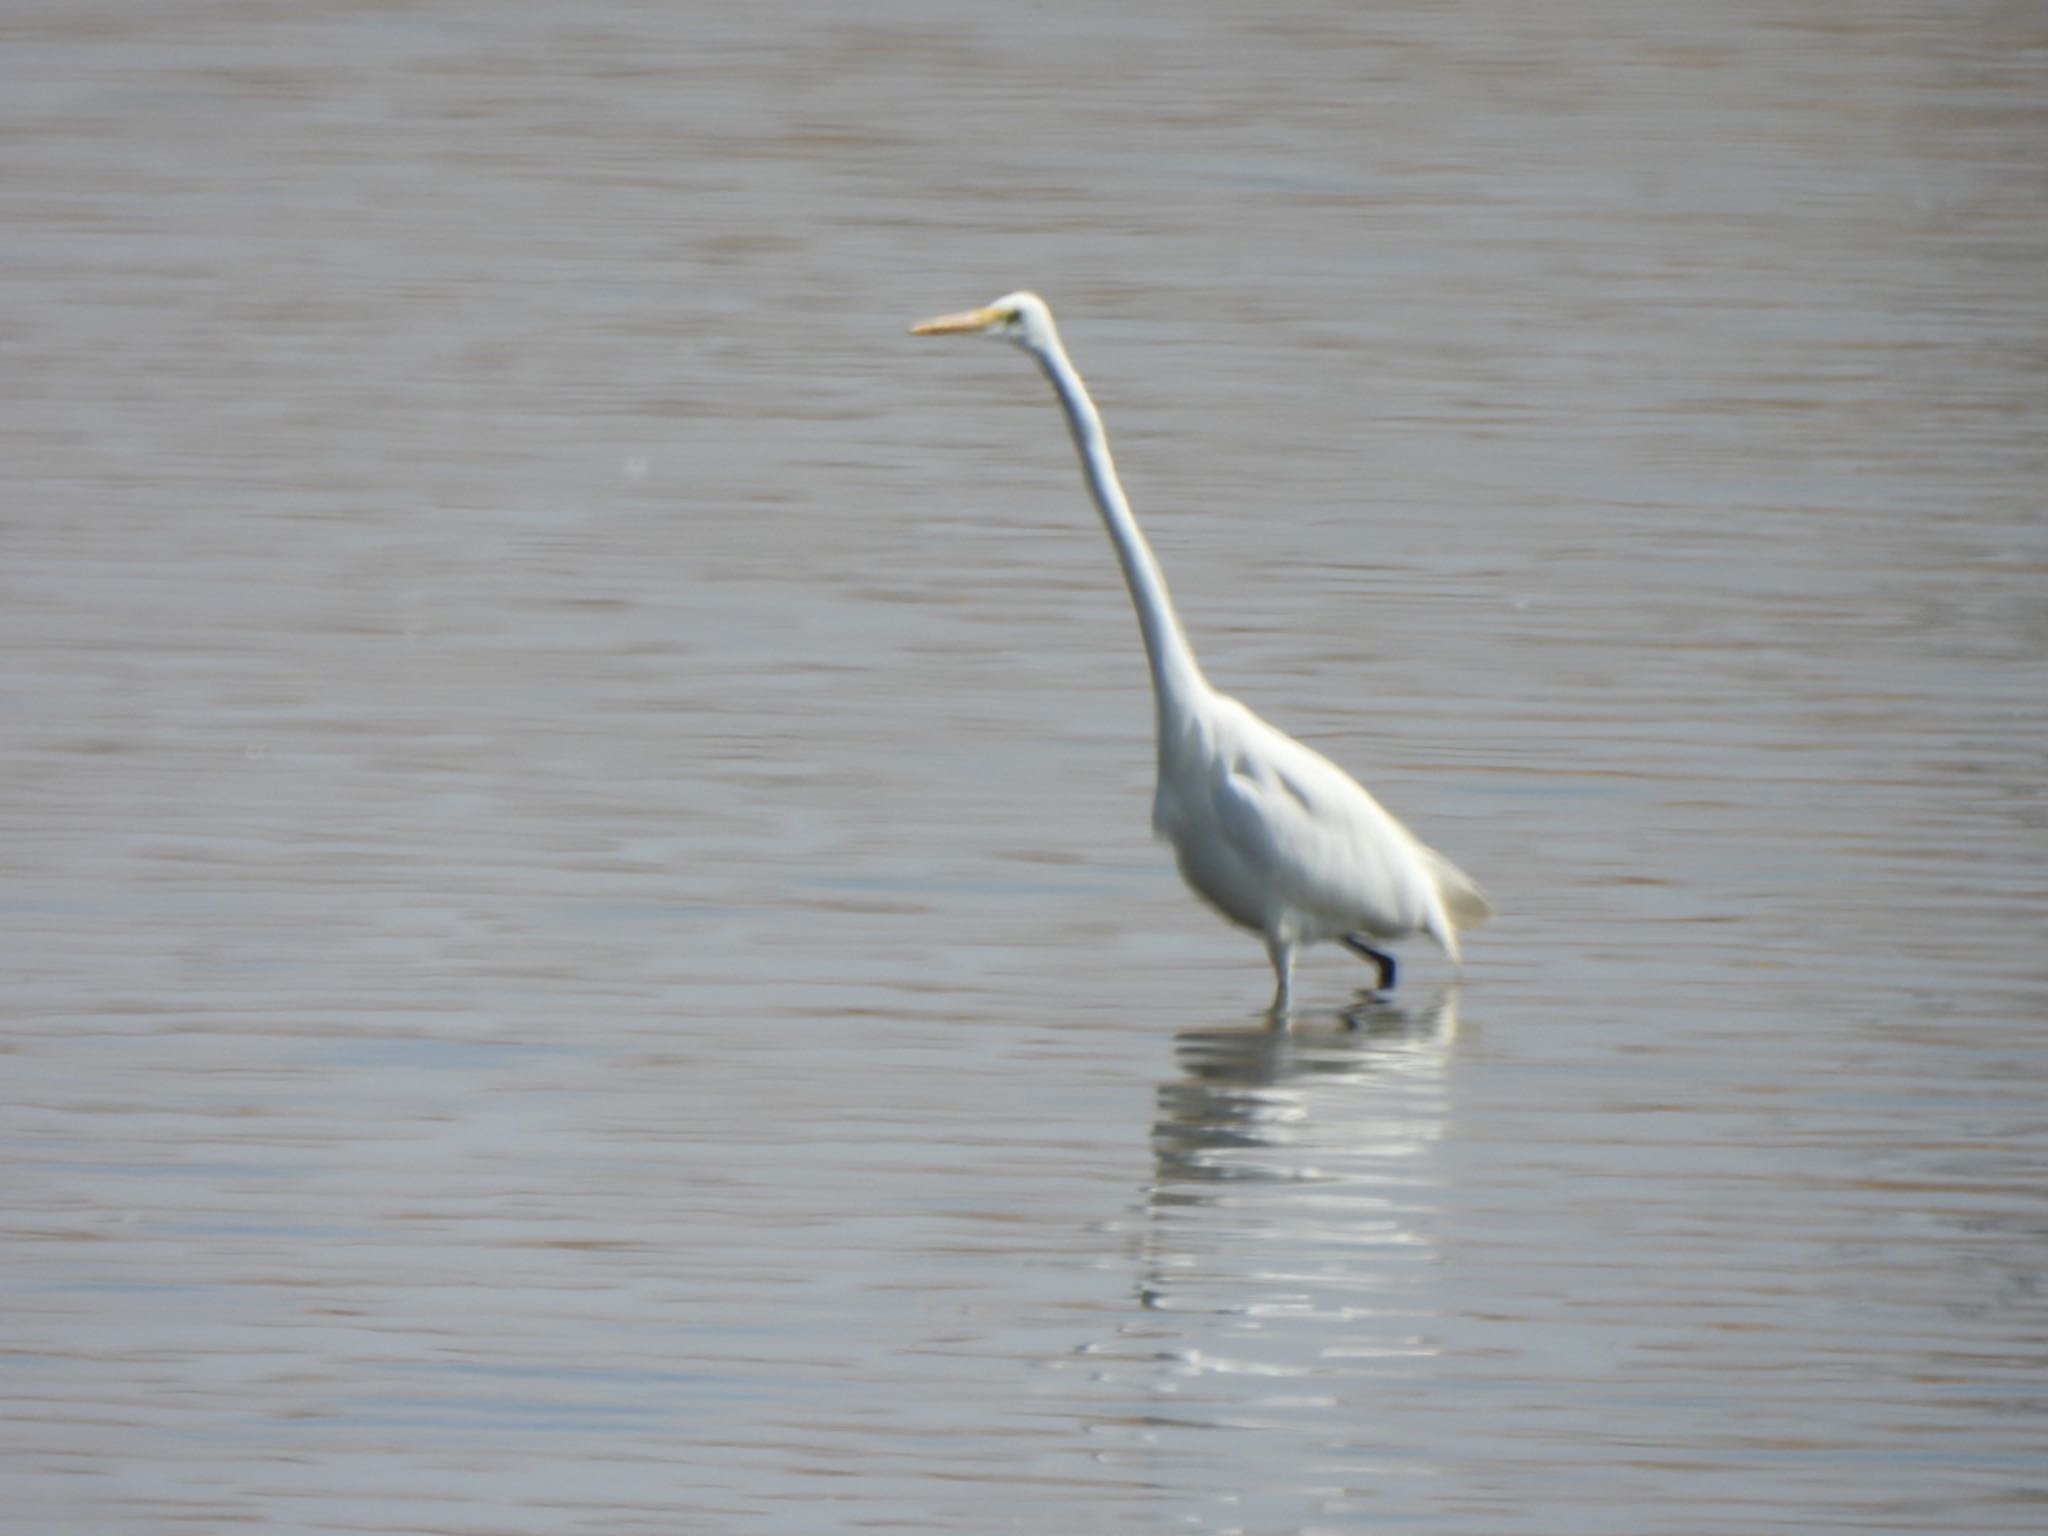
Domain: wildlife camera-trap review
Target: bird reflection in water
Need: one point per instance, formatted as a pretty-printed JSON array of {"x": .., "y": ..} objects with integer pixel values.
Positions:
[
  {"x": 1289, "y": 1158},
  {"x": 1287, "y": 1244}
]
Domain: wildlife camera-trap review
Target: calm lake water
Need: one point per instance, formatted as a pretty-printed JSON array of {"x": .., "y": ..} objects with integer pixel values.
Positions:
[{"x": 582, "y": 947}]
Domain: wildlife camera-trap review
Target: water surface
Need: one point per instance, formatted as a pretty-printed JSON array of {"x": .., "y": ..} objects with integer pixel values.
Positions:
[{"x": 582, "y": 947}]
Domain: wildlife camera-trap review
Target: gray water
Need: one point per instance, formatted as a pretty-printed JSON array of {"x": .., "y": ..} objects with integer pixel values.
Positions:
[{"x": 582, "y": 948}]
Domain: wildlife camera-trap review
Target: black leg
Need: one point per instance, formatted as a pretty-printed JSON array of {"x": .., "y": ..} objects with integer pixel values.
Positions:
[{"x": 1378, "y": 957}]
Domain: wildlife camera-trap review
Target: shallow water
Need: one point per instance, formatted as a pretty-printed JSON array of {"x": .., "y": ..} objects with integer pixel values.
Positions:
[{"x": 583, "y": 947}]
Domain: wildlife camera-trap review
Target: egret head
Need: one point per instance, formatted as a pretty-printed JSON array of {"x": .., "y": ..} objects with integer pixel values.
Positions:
[{"x": 1022, "y": 318}]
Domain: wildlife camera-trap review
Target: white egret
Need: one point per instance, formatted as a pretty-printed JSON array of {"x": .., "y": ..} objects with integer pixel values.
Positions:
[{"x": 1269, "y": 832}]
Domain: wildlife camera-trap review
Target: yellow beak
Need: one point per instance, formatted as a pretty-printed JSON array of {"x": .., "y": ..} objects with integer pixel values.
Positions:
[{"x": 953, "y": 325}]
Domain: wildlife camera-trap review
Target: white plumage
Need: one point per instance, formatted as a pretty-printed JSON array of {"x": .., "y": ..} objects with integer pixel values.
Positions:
[{"x": 1269, "y": 832}]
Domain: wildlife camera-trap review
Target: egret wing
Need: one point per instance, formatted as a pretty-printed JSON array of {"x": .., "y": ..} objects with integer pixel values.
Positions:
[{"x": 1315, "y": 840}]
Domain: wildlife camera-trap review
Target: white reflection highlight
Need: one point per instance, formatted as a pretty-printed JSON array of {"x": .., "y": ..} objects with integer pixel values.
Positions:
[{"x": 1288, "y": 1245}]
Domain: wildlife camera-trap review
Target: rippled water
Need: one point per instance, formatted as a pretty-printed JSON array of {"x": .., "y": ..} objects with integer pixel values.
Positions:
[{"x": 583, "y": 952}]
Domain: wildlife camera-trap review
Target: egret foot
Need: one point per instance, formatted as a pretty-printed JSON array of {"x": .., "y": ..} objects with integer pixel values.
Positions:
[{"x": 1378, "y": 957}]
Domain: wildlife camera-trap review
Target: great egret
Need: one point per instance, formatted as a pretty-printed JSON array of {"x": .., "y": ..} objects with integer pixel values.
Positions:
[{"x": 1269, "y": 832}]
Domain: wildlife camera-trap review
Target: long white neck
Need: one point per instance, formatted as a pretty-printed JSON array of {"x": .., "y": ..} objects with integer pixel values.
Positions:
[{"x": 1176, "y": 679}]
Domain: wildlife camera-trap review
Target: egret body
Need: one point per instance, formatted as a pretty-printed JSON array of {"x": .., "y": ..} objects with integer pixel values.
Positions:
[{"x": 1269, "y": 832}]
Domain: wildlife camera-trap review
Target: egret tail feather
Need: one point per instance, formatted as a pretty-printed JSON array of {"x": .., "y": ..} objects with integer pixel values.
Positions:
[{"x": 1462, "y": 898}]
